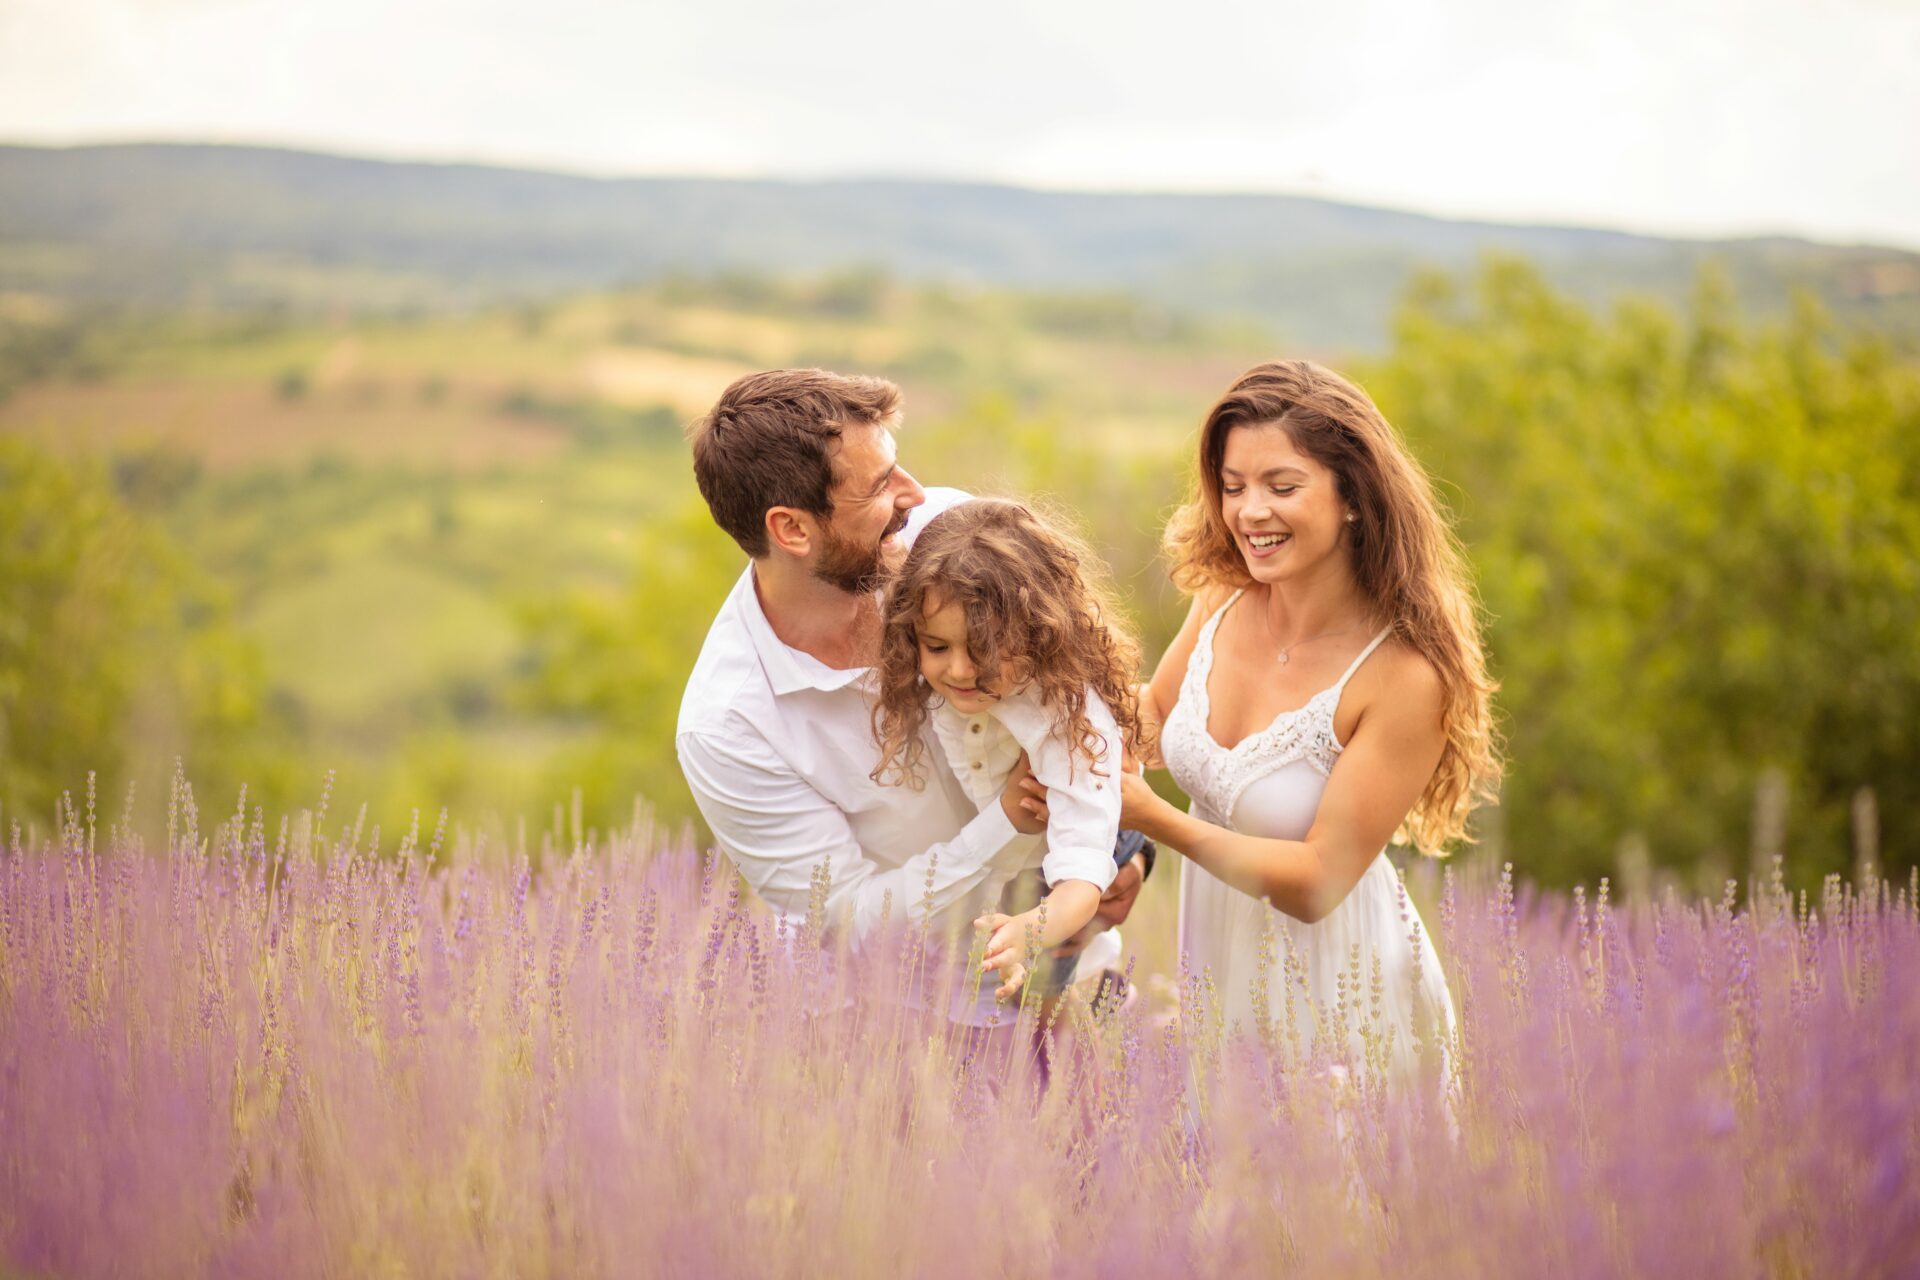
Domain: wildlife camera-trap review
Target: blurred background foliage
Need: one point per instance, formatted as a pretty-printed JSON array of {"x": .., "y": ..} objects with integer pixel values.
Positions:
[
  {"x": 1699, "y": 547},
  {"x": 458, "y": 557}
]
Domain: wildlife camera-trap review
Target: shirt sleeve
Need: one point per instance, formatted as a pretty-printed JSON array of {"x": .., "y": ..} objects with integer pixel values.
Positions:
[
  {"x": 778, "y": 830},
  {"x": 1083, "y": 801}
]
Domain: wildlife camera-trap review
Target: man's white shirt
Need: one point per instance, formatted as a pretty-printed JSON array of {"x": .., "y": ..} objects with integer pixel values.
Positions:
[{"x": 778, "y": 750}]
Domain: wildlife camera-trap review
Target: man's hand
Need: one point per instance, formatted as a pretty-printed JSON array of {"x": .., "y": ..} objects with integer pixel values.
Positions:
[
  {"x": 1024, "y": 799},
  {"x": 1115, "y": 905}
]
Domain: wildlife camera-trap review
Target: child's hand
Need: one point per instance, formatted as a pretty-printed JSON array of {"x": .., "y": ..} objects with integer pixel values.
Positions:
[{"x": 1006, "y": 944}]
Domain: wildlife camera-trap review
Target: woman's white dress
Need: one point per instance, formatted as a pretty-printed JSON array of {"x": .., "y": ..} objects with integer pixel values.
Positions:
[{"x": 1364, "y": 984}]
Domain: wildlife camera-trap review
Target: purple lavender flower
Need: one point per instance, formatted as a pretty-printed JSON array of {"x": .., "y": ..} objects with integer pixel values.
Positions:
[{"x": 361, "y": 1064}]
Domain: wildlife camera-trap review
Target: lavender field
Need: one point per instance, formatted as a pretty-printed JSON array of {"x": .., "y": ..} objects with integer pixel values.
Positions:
[{"x": 304, "y": 1048}]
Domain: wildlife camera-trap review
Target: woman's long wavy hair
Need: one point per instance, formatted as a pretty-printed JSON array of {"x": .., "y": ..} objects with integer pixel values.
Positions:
[
  {"x": 1039, "y": 615},
  {"x": 1406, "y": 558}
]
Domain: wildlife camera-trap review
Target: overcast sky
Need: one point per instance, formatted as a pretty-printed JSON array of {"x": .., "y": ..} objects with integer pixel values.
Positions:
[{"x": 1683, "y": 116}]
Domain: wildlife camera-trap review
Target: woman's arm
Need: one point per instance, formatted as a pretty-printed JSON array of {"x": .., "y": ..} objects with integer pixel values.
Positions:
[{"x": 1394, "y": 750}]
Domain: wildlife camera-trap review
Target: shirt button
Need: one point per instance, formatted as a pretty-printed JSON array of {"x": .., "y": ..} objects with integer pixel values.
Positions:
[
  {"x": 975, "y": 728},
  {"x": 978, "y": 764},
  {"x": 1099, "y": 786}
]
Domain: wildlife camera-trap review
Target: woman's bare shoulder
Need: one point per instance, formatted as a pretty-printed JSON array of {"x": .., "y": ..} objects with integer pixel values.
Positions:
[
  {"x": 1207, "y": 600},
  {"x": 1396, "y": 691},
  {"x": 1202, "y": 605},
  {"x": 1171, "y": 670},
  {"x": 1400, "y": 682}
]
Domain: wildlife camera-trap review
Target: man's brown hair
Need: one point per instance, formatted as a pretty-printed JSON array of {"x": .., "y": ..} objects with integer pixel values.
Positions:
[{"x": 768, "y": 443}]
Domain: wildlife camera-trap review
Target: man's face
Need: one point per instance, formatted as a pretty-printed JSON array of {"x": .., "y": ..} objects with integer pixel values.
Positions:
[{"x": 872, "y": 494}]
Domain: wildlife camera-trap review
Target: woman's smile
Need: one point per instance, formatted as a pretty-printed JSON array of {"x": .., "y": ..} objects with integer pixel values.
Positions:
[{"x": 1264, "y": 544}]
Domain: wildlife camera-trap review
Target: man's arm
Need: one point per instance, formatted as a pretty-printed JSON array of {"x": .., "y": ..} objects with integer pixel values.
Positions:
[{"x": 777, "y": 829}]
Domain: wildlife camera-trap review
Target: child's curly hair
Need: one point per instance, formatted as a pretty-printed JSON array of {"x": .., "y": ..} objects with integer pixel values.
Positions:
[{"x": 1039, "y": 613}]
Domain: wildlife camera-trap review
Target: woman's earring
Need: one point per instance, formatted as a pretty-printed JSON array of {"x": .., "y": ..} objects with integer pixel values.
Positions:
[{"x": 1351, "y": 517}]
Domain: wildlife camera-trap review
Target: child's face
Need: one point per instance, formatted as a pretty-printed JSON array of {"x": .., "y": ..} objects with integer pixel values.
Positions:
[{"x": 945, "y": 661}]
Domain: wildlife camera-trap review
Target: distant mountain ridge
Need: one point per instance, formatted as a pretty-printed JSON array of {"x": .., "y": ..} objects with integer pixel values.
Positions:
[{"x": 165, "y": 224}]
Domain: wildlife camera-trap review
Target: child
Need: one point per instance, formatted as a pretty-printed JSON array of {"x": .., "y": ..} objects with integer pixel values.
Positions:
[{"x": 994, "y": 631}]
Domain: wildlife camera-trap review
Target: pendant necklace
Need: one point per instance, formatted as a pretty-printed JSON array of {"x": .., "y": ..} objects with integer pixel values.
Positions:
[{"x": 1286, "y": 654}]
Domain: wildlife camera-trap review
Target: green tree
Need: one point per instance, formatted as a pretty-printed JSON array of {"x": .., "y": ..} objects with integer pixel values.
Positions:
[
  {"x": 619, "y": 662},
  {"x": 115, "y": 653},
  {"x": 1699, "y": 545}
]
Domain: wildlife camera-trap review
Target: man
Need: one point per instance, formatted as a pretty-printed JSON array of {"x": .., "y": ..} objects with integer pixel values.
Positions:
[{"x": 775, "y": 736}]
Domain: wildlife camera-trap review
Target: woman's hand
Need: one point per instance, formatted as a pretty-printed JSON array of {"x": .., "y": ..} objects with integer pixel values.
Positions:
[{"x": 1141, "y": 806}]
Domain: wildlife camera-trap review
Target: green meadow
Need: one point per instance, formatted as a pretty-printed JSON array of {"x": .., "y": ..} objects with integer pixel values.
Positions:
[{"x": 457, "y": 560}]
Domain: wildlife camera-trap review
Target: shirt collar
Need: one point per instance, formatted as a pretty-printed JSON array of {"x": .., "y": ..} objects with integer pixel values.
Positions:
[
  {"x": 788, "y": 669},
  {"x": 1020, "y": 711}
]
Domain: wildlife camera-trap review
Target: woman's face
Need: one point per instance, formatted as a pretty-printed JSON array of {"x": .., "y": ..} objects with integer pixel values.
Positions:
[{"x": 1283, "y": 509}]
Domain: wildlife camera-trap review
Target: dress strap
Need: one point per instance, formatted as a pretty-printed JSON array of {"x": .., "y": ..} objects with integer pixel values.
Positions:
[
  {"x": 1225, "y": 605},
  {"x": 1203, "y": 645},
  {"x": 1364, "y": 654},
  {"x": 1194, "y": 686}
]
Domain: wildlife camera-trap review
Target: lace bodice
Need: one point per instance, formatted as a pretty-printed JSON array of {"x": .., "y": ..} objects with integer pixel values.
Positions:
[
  {"x": 1217, "y": 777},
  {"x": 1270, "y": 785}
]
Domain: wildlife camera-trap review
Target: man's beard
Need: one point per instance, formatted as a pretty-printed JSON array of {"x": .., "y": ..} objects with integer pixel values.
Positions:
[{"x": 855, "y": 569}]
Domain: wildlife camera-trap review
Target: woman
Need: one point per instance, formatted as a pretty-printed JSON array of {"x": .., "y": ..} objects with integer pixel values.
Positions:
[{"x": 1327, "y": 693}]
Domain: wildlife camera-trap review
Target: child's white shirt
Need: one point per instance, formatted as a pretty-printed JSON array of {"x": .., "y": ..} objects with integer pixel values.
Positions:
[{"x": 1083, "y": 800}]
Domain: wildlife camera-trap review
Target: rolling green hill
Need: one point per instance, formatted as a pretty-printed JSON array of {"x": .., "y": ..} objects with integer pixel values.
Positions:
[
  {"x": 406, "y": 517},
  {"x": 162, "y": 225},
  {"x": 454, "y": 551}
]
